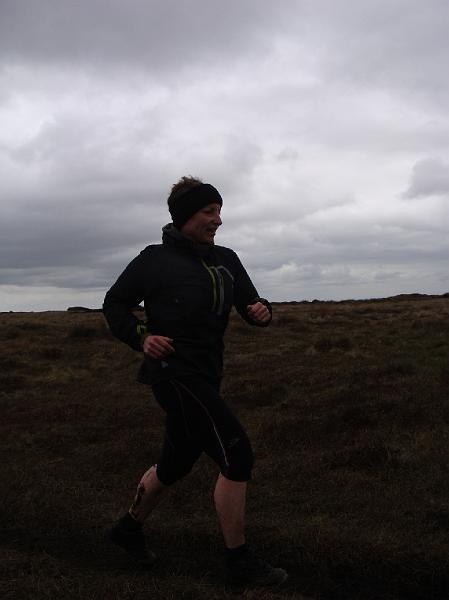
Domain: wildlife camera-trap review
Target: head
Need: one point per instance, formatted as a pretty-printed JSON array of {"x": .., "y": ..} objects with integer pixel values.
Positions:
[{"x": 195, "y": 209}]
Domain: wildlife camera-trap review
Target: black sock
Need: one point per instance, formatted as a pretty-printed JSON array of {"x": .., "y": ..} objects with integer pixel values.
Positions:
[
  {"x": 234, "y": 554},
  {"x": 129, "y": 523}
]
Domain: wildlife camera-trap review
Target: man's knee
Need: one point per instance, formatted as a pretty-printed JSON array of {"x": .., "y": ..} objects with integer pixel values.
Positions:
[
  {"x": 240, "y": 460},
  {"x": 170, "y": 473}
]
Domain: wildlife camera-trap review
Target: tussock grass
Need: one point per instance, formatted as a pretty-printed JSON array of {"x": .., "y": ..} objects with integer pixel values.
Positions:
[{"x": 348, "y": 411}]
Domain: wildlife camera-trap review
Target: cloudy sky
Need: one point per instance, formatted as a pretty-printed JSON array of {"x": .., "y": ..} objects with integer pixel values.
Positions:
[{"x": 324, "y": 124}]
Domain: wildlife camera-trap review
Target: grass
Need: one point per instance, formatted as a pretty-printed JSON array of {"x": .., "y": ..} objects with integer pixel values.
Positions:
[{"x": 347, "y": 408}]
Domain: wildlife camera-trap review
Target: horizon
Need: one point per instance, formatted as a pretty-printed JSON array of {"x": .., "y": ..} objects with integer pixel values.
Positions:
[{"x": 411, "y": 295}]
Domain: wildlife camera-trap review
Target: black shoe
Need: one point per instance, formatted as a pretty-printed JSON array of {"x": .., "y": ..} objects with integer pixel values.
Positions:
[
  {"x": 130, "y": 537},
  {"x": 252, "y": 571}
]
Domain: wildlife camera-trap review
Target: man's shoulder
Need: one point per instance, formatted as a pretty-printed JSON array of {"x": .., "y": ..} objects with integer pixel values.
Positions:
[
  {"x": 224, "y": 251},
  {"x": 152, "y": 249},
  {"x": 162, "y": 255}
]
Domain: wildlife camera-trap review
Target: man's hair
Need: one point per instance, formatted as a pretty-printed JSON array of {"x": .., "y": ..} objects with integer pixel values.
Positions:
[{"x": 184, "y": 184}]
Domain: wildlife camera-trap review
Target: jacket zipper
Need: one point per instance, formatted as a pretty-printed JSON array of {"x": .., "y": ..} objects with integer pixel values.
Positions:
[{"x": 217, "y": 294}]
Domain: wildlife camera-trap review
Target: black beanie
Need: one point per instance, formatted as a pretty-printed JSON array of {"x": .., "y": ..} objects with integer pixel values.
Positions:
[{"x": 184, "y": 205}]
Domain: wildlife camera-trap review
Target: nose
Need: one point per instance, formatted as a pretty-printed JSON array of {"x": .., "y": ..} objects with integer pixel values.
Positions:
[{"x": 217, "y": 219}]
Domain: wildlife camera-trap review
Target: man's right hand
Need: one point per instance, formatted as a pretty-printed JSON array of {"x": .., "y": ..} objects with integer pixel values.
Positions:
[{"x": 157, "y": 346}]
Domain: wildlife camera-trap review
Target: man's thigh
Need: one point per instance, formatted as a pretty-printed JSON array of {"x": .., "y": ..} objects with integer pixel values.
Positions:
[{"x": 214, "y": 427}]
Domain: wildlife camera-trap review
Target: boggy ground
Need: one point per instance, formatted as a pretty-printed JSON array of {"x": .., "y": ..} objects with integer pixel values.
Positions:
[{"x": 346, "y": 404}]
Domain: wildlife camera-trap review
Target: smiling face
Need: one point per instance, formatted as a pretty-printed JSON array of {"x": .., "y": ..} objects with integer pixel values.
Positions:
[{"x": 201, "y": 227}]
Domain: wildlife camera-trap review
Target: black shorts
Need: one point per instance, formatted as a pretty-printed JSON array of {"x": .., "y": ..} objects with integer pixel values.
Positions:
[{"x": 197, "y": 420}]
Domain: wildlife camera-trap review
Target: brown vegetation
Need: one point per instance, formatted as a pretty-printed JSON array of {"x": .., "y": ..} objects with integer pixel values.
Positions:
[{"x": 348, "y": 410}]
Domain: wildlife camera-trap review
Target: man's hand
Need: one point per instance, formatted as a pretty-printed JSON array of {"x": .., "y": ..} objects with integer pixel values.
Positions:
[
  {"x": 258, "y": 312},
  {"x": 157, "y": 346}
]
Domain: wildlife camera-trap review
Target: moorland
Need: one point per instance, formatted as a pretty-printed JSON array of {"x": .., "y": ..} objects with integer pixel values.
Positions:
[{"x": 346, "y": 404}]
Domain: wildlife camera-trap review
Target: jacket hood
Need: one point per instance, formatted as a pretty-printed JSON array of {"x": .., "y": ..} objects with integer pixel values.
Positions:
[{"x": 173, "y": 237}]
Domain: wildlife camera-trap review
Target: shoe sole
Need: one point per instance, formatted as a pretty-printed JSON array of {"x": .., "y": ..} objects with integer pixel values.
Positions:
[{"x": 143, "y": 561}]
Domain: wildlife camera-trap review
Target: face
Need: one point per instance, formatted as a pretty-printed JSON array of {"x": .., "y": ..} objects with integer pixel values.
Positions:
[{"x": 202, "y": 226}]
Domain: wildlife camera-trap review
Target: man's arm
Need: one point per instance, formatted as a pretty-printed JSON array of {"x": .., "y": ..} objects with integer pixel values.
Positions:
[
  {"x": 127, "y": 293},
  {"x": 253, "y": 309}
]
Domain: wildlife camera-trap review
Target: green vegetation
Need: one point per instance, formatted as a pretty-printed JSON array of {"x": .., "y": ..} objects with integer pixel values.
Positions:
[{"x": 348, "y": 411}]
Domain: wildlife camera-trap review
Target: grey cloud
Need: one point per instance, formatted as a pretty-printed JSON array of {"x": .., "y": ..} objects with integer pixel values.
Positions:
[
  {"x": 430, "y": 176},
  {"x": 312, "y": 118},
  {"x": 77, "y": 150},
  {"x": 138, "y": 33},
  {"x": 73, "y": 277},
  {"x": 97, "y": 188},
  {"x": 74, "y": 235},
  {"x": 346, "y": 235},
  {"x": 398, "y": 45},
  {"x": 287, "y": 154}
]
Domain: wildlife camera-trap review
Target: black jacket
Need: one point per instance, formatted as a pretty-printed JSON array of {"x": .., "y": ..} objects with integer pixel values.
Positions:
[{"x": 188, "y": 292}]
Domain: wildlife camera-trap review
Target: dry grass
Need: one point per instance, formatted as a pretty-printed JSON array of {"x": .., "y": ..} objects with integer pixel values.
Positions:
[{"x": 348, "y": 411}]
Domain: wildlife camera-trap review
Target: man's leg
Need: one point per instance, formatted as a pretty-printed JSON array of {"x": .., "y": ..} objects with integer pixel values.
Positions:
[
  {"x": 149, "y": 493},
  {"x": 243, "y": 567},
  {"x": 226, "y": 442},
  {"x": 178, "y": 455},
  {"x": 230, "y": 498},
  {"x": 127, "y": 532},
  {"x": 223, "y": 438}
]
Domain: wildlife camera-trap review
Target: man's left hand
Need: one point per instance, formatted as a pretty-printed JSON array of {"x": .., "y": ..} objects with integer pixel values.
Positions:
[{"x": 258, "y": 312}]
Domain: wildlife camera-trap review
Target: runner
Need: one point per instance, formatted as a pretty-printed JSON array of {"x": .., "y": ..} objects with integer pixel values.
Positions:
[{"x": 189, "y": 285}]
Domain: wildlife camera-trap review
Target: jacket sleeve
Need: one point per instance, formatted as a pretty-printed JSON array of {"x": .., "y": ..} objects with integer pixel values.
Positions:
[
  {"x": 127, "y": 293},
  {"x": 245, "y": 293}
]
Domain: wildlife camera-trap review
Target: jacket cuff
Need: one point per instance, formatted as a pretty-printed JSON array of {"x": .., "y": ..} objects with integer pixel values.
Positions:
[{"x": 142, "y": 332}]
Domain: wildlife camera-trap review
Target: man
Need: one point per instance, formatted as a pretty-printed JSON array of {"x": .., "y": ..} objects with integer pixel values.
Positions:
[{"x": 189, "y": 286}]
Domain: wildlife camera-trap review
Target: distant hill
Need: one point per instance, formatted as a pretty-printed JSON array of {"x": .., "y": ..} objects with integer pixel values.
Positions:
[
  {"x": 398, "y": 297},
  {"x": 83, "y": 309}
]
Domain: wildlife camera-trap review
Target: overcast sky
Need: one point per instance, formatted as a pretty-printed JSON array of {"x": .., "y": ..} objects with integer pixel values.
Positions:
[{"x": 323, "y": 123}]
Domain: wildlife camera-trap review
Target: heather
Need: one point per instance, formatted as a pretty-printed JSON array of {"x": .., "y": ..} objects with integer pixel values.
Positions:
[{"x": 348, "y": 411}]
